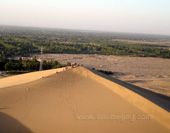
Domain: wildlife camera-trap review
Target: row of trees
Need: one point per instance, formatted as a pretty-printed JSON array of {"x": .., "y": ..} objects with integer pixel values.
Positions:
[{"x": 28, "y": 65}]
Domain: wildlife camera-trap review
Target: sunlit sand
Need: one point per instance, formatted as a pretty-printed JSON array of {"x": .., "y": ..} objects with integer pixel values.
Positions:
[{"x": 76, "y": 100}]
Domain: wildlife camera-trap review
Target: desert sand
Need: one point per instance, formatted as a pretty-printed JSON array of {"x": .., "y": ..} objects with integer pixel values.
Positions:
[
  {"x": 146, "y": 72},
  {"x": 28, "y": 77},
  {"x": 75, "y": 101}
]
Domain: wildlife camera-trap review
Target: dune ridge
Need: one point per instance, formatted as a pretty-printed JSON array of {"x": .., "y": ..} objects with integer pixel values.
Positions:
[
  {"x": 26, "y": 78},
  {"x": 64, "y": 102},
  {"x": 140, "y": 102}
]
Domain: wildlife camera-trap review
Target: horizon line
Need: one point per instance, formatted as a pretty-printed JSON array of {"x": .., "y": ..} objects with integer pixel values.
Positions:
[{"x": 84, "y": 30}]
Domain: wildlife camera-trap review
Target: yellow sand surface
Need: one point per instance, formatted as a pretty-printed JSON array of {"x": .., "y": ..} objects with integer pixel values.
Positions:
[
  {"x": 25, "y": 78},
  {"x": 75, "y": 101}
]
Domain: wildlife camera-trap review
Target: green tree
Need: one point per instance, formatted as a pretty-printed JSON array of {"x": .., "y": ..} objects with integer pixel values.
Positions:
[
  {"x": 68, "y": 64},
  {"x": 34, "y": 59},
  {"x": 8, "y": 66}
]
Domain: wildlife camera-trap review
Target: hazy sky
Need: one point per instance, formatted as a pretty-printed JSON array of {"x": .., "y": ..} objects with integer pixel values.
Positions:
[{"x": 139, "y": 16}]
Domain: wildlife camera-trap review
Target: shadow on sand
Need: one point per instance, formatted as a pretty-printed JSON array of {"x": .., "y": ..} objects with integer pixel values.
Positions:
[
  {"x": 9, "y": 124},
  {"x": 159, "y": 99}
]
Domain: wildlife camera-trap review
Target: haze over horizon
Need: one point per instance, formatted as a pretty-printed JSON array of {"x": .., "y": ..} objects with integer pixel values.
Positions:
[{"x": 147, "y": 16}]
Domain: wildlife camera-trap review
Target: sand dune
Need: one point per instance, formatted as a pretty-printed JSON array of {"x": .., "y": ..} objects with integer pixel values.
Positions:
[
  {"x": 126, "y": 68},
  {"x": 78, "y": 101},
  {"x": 25, "y": 78}
]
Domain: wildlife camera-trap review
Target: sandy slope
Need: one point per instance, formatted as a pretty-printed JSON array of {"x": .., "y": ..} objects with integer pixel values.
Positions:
[
  {"x": 77, "y": 101},
  {"x": 25, "y": 78},
  {"x": 126, "y": 68},
  {"x": 159, "y": 86}
]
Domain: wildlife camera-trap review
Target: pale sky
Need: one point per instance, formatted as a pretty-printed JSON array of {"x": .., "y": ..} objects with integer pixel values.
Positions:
[{"x": 138, "y": 16}]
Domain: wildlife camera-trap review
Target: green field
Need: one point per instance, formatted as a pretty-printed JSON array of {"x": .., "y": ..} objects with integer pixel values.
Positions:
[{"x": 22, "y": 41}]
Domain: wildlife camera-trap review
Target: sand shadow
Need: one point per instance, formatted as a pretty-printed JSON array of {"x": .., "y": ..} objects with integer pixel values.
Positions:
[
  {"x": 159, "y": 99},
  {"x": 9, "y": 124}
]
